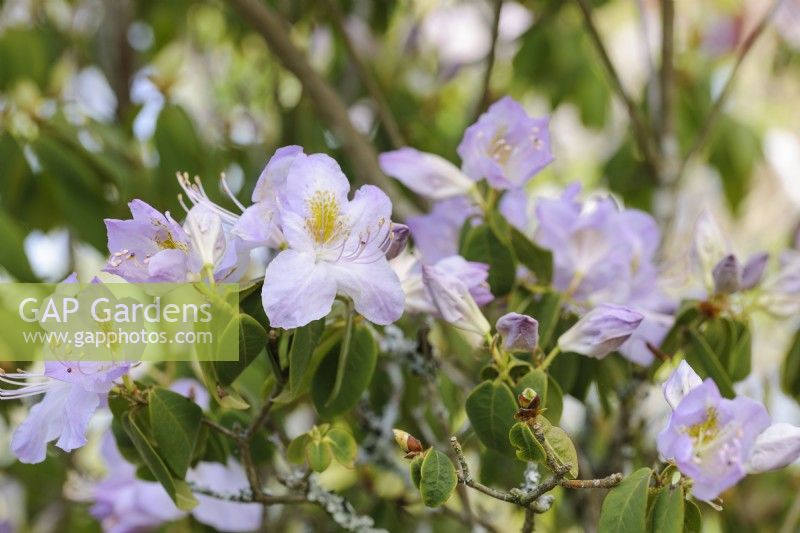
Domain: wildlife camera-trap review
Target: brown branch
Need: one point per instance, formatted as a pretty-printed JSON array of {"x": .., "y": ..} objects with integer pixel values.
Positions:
[
  {"x": 528, "y": 525},
  {"x": 263, "y": 414},
  {"x": 330, "y": 107},
  {"x": 483, "y": 103},
  {"x": 370, "y": 83},
  {"x": 642, "y": 135},
  {"x": 605, "y": 483},
  {"x": 724, "y": 94}
]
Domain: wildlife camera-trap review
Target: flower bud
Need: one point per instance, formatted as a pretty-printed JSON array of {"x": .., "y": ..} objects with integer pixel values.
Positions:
[
  {"x": 454, "y": 301},
  {"x": 753, "y": 271},
  {"x": 601, "y": 331},
  {"x": 519, "y": 332},
  {"x": 527, "y": 396},
  {"x": 407, "y": 442},
  {"x": 727, "y": 275},
  {"x": 397, "y": 241}
]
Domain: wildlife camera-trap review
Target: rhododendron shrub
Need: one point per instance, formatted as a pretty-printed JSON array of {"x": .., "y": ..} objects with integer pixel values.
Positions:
[{"x": 431, "y": 336}]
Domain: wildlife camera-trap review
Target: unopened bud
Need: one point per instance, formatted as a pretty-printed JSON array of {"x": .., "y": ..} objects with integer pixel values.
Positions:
[
  {"x": 727, "y": 275},
  {"x": 397, "y": 240},
  {"x": 407, "y": 442},
  {"x": 526, "y": 397}
]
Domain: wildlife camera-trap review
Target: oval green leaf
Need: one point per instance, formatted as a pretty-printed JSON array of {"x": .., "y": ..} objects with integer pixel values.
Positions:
[
  {"x": 625, "y": 507},
  {"x": 491, "y": 408},
  {"x": 437, "y": 478}
]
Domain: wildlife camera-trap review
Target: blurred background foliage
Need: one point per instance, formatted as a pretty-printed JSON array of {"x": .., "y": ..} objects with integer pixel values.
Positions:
[{"x": 103, "y": 101}]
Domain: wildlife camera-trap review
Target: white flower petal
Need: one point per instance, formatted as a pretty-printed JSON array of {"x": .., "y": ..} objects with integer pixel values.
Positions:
[{"x": 776, "y": 447}]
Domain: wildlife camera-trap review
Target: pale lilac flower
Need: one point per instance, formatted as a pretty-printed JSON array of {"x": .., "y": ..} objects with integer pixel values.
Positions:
[
  {"x": 151, "y": 247},
  {"x": 213, "y": 247},
  {"x": 224, "y": 515},
  {"x": 651, "y": 332},
  {"x": 506, "y": 146},
  {"x": 335, "y": 245},
  {"x": 418, "y": 298},
  {"x": 727, "y": 275},
  {"x": 453, "y": 300},
  {"x": 601, "y": 331},
  {"x": 428, "y": 175},
  {"x": 259, "y": 224},
  {"x": 72, "y": 392},
  {"x": 519, "y": 332},
  {"x": 716, "y": 441},
  {"x": 436, "y": 233},
  {"x": 124, "y": 503}
]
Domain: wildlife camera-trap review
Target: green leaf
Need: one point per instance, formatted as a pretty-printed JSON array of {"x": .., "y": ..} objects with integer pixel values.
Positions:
[
  {"x": 343, "y": 446},
  {"x": 13, "y": 257},
  {"x": 415, "y": 469},
  {"x": 319, "y": 455},
  {"x": 304, "y": 341},
  {"x": 178, "y": 490},
  {"x": 344, "y": 353},
  {"x": 437, "y": 478},
  {"x": 668, "y": 510},
  {"x": 358, "y": 372},
  {"x": 483, "y": 245},
  {"x": 224, "y": 396},
  {"x": 555, "y": 401},
  {"x": 296, "y": 452},
  {"x": 702, "y": 357},
  {"x": 538, "y": 260},
  {"x": 790, "y": 369},
  {"x": 547, "y": 310},
  {"x": 175, "y": 420},
  {"x": 252, "y": 340},
  {"x": 563, "y": 447},
  {"x": 536, "y": 380},
  {"x": 527, "y": 447},
  {"x": 491, "y": 408},
  {"x": 624, "y": 509},
  {"x": 692, "y": 519},
  {"x": 688, "y": 315}
]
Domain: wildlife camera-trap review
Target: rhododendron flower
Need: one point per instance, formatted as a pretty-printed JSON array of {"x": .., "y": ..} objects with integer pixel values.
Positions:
[
  {"x": 519, "y": 332},
  {"x": 418, "y": 297},
  {"x": 601, "y": 254},
  {"x": 601, "y": 331},
  {"x": 72, "y": 392},
  {"x": 125, "y": 503},
  {"x": 436, "y": 233},
  {"x": 151, "y": 247},
  {"x": 259, "y": 224},
  {"x": 335, "y": 246},
  {"x": 716, "y": 441},
  {"x": 506, "y": 145},
  {"x": 453, "y": 300}
]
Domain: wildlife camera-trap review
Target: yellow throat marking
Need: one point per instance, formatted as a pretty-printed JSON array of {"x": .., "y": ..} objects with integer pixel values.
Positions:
[{"x": 324, "y": 217}]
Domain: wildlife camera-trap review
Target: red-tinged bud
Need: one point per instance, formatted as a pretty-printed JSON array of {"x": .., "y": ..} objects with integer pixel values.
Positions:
[{"x": 407, "y": 442}]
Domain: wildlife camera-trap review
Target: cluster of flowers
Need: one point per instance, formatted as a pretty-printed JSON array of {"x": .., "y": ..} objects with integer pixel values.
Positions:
[{"x": 325, "y": 244}]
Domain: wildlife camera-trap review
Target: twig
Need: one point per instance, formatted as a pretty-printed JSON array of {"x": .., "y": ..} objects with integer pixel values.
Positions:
[
  {"x": 483, "y": 103},
  {"x": 604, "y": 483},
  {"x": 330, "y": 107},
  {"x": 247, "y": 497},
  {"x": 530, "y": 516},
  {"x": 263, "y": 414},
  {"x": 666, "y": 123},
  {"x": 220, "y": 429},
  {"x": 642, "y": 135},
  {"x": 370, "y": 84},
  {"x": 724, "y": 94}
]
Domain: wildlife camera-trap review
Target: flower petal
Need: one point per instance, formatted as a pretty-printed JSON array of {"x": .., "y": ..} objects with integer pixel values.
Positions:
[
  {"x": 374, "y": 288},
  {"x": 274, "y": 174},
  {"x": 43, "y": 424},
  {"x": 426, "y": 174},
  {"x": 296, "y": 290},
  {"x": 682, "y": 380},
  {"x": 258, "y": 225},
  {"x": 310, "y": 175},
  {"x": 776, "y": 447},
  {"x": 79, "y": 407}
]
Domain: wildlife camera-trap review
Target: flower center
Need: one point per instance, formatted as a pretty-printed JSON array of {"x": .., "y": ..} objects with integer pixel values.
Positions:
[
  {"x": 165, "y": 240},
  {"x": 705, "y": 431},
  {"x": 324, "y": 222},
  {"x": 499, "y": 149}
]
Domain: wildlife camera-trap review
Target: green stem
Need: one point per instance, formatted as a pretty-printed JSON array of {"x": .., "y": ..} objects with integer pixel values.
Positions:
[{"x": 550, "y": 357}]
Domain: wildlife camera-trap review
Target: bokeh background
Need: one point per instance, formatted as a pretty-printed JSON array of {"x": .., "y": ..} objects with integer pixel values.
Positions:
[{"x": 102, "y": 101}]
